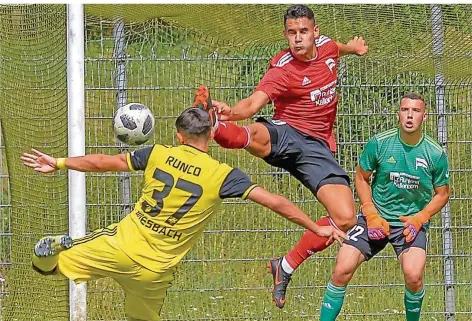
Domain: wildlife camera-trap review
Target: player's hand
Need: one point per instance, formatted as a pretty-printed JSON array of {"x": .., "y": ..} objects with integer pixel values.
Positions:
[
  {"x": 412, "y": 224},
  {"x": 358, "y": 46},
  {"x": 377, "y": 227},
  {"x": 40, "y": 162},
  {"x": 332, "y": 234},
  {"x": 222, "y": 109}
]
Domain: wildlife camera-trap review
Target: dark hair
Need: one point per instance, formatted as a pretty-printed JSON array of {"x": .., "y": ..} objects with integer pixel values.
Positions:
[
  {"x": 414, "y": 96},
  {"x": 194, "y": 123},
  {"x": 299, "y": 11}
]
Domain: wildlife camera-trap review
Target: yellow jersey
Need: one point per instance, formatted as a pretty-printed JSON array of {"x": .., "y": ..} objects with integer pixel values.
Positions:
[{"x": 183, "y": 188}]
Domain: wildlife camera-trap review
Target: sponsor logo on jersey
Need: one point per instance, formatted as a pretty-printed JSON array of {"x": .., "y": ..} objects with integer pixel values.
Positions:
[
  {"x": 330, "y": 63},
  {"x": 321, "y": 98},
  {"x": 306, "y": 81},
  {"x": 404, "y": 180},
  {"x": 325, "y": 94},
  {"x": 420, "y": 162},
  {"x": 391, "y": 160}
]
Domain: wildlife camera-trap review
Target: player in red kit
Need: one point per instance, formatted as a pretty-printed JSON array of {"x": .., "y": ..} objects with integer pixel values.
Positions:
[{"x": 301, "y": 84}]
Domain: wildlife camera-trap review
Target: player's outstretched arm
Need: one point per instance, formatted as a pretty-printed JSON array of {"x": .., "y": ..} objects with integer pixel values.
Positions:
[
  {"x": 44, "y": 163},
  {"x": 356, "y": 46},
  {"x": 243, "y": 109},
  {"x": 291, "y": 212}
]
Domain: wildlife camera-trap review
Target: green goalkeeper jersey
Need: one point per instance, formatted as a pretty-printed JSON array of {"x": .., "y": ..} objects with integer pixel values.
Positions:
[{"x": 404, "y": 175}]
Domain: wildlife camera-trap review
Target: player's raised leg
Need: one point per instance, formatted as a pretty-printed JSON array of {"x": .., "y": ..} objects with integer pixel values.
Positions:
[
  {"x": 255, "y": 138},
  {"x": 46, "y": 252},
  {"x": 348, "y": 260},
  {"x": 309, "y": 160},
  {"x": 413, "y": 262}
]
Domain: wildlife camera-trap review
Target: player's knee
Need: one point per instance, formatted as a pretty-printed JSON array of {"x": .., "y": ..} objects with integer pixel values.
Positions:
[
  {"x": 345, "y": 223},
  {"x": 259, "y": 140},
  {"x": 414, "y": 280},
  {"x": 342, "y": 275}
]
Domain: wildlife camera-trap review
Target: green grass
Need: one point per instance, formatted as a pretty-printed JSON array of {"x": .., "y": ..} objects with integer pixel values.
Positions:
[{"x": 224, "y": 276}]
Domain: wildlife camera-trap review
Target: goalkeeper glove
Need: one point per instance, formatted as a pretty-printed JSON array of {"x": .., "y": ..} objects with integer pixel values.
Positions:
[
  {"x": 413, "y": 224},
  {"x": 377, "y": 227}
]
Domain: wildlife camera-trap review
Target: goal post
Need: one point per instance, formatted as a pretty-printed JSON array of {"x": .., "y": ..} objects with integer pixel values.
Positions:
[
  {"x": 76, "y": 143},
  {"x": 64, "y": 69}
]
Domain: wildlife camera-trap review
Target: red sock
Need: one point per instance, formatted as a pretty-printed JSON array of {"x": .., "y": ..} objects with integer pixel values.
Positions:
[
  {"x": 308, "y": 244},
  {"x": 229, "y": 135}
]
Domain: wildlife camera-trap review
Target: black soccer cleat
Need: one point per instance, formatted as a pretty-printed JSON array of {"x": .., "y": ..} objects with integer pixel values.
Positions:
[
  {"x": 281, "y": 281},
  {"x": 203, "y": 101},
  {"x": 52, "y": 245}
]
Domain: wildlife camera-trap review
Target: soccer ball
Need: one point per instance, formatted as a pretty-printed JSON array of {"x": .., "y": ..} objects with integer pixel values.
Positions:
[{"x": 133, "y": 124}]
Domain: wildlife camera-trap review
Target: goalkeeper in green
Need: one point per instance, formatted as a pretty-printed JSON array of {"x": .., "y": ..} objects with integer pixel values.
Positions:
[{"x": 410, "y": 184}]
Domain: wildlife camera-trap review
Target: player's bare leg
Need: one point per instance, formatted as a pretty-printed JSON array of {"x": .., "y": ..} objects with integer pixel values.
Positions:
[
  {"x": 339, "y": 203},
  {"x": 413, "y": 262},
  {"x": 348, "y": 260},
  {"x": 254, "y": 138},
  {"x": 47, "y": 249},
  {"x": 259, "y": 140}
]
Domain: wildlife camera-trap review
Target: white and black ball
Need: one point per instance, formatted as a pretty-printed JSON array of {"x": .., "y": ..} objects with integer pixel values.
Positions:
[{"x": 133, "y": 124}]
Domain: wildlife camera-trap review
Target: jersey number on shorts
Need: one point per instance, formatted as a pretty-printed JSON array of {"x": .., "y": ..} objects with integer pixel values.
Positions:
[
  {"x": 167, "y": 179},
  {"x": 354, "y": 232}
]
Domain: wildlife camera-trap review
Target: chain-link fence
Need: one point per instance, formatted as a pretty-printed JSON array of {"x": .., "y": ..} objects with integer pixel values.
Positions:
[{"x": 158, "y": 55}]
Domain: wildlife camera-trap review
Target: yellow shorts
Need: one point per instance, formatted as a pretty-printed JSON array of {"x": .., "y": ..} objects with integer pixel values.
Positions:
[{"x": 97, "y": 255}]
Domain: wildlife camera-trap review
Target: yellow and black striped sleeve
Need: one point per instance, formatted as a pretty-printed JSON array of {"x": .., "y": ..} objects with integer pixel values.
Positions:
[
  {"x": 237, "y": 184},
  {"x": 138, "y": 159}
]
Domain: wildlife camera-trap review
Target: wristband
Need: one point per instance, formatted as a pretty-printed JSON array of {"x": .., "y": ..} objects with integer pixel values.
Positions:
[{"x": 61, "y": 163}]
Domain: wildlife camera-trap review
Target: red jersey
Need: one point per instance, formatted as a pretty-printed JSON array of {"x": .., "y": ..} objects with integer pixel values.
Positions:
[{"x": 304, "y": 93}]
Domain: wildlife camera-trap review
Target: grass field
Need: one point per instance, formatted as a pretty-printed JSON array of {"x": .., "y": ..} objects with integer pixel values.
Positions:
[{"x": 224, "y": 276}]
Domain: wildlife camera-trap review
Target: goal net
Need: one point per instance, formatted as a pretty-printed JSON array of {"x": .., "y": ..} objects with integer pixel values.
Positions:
[{"x": 158, "y": 55}]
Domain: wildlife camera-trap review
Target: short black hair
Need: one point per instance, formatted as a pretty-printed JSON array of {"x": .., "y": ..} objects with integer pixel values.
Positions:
[
  {"x": 414, "y": 96},
  {"x": 299, "y": 11},
  {"x": 194, "y": 123}
]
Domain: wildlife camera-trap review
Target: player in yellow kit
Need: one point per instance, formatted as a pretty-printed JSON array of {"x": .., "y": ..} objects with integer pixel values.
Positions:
[{"x": 183, "y": 188}]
